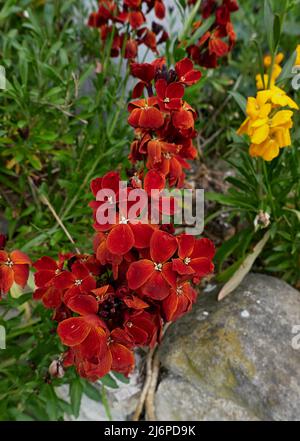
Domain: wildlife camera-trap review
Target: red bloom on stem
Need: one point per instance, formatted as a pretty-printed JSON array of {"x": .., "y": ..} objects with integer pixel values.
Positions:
[
  {"x": 144, "y": 114},
  {"x": 195, "y": 256},
  {"x": 143, "y": 328},
  {"x": 186, "y": 72},
  {"x": 47, "y": 269},
  {"x": 179, "y": 302},
  {"x": 14, "y": 267},
  {"x": 155, "y": 277},
  {"x": 169, "y": 95},
  {"x": 78, "y": 281}
]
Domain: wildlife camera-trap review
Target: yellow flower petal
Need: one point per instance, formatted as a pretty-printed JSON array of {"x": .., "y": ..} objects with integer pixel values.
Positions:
[
  {"x": 281, "y": 117},
  {"x": 244, "y": 127},
  {"x": 270, "y": 150},
  {"x": 260, "y": 134},
  {"x": 259, "y": 122},
  {"x": 263, "y": 96}
]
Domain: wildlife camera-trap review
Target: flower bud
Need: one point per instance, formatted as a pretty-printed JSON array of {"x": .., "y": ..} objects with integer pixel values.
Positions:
[
  {"x": 262, "y": 220},
  {"x": 56, "y": 369}
]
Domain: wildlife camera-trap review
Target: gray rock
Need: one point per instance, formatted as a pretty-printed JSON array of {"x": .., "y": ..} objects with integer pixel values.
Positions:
[{"x": 234, "y": 360}]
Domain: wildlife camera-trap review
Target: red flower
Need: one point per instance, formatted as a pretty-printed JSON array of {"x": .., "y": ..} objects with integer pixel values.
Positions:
[
  {"x": 179, "y": 302},
  {"x": 217, "y": 46},
  {"x": 14, "y": 267},
  {"x": 160, "y": 10},
  {"x": 144, "y": 114},
  {"x": 194, "y": 256},
  {"x": 76, "y": 282},
  {"x": 169, "y": 96},
  {"x": 47, "y": 269},
  {"x": 155, "y": 276},
  {"x": 186, "y": 73},
  {"x": 143, "y": 328},
  {"x": 95, "y": 351}
]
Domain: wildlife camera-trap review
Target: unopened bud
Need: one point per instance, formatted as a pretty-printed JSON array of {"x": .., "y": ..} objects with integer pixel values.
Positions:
[
  {"x": 262, "y": 220},
  {"x": 56, "y": 369}
]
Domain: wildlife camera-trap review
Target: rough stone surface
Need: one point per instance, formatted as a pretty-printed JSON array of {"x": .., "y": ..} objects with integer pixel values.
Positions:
[{"x": 234, "y": 360}]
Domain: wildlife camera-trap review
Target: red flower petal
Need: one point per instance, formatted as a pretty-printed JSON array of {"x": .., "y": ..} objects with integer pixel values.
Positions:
[
  {"x": 169, "y": 274},
  {"x": 94, "y": 345},
  {"x": 161, "y": 87},
  {"x": 73, "y": 331},
  {"x": 64, "y": 280},
  {"x": 120, "y": 240},
  {"x": 122, "y": 359},
  {"x": 41, "y": 278},
  {"x": 151, "y": 118},
  {"x": 139, "y": 272},
  {"x": 154, "y": 180},
  {"x": 202, "y": 266},
  {"x": 142, "y": 234},
  {"x": 186, "y": 243},
  {"x": 6, "y": 279},
  {"x": 192, "y": 77},
  {"x": 156, "y": 287},
  {"x": 45, "y": 263},
  {"x": 19, "y": 257},
  {"x": 203, "y": 248},
  {"x": 52, "y": 297},
  {"x": 21, "y": 273},
  {"x": 162, "y": 246},
  {"x": 159, "y": 9},
  {"x": 83, "y": 304},
  {"x": 184, "y": 66},
  {"x": 169, "y": 305},
  {"x": 135, "y": 302},
  {"x": 175, "y": 91}
]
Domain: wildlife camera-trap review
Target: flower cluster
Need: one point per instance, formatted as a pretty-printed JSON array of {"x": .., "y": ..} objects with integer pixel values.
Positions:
[
  {"x": 219, "y": 40},
  {"x": 265, "y": 81},
  {"x": 164, "y": 123},
  {"x": 262, "y": 83},
  {"x": 125, "y": 21},
  {"x": 268, "y": 123},
  {"x": 140, "y": 275},
  {"x": 14, "y": 268}
]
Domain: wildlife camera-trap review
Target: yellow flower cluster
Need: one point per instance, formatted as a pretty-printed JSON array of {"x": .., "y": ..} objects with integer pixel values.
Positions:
[
  {"x": 276, "y": 71},
  {"x": 269, "y": 122}
]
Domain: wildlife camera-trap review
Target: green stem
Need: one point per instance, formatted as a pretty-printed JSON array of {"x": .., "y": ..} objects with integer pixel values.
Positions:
[
  {"x": 105, "y": 403},
  {"x": 269, "y": 188}
]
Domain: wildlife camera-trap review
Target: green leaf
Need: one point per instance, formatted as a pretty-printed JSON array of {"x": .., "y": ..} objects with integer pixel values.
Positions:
[
  {"x": 121, "y": 377},
  {"x": 109, "y": 381},
  {"x": 76, "y": 391},
  {"x": 269, "y": 24},
  {"x": 240, "y": 100},
  {"x": 276, "y": 31},
  {"x": 92, "y": 392}
]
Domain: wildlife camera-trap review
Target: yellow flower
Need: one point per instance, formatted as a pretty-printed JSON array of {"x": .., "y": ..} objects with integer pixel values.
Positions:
[
  {"x": 261, "y": 128},
  {"x": 297, "y": 63},
  {"x": 280, "y": 98},
  {"x": 275, "y": 74},
  {"x": 266, "y": 124},
  {"x": 278, "y": 59},
  {"x": 276, "y": 71}
]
